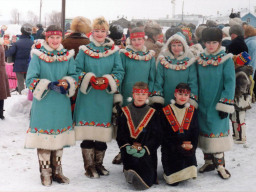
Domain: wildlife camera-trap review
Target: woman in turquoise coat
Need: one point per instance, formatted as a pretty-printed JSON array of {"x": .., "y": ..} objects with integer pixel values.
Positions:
[
  {"x": 216, "y": 79},
  {"x": 101, "y": 72},
  {"x": 52, "y": 78},
  {"x": 176, "y": 64}
]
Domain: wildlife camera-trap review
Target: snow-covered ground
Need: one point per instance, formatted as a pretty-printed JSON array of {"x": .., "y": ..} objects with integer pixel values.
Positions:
[{"x": 19, "y": 170}]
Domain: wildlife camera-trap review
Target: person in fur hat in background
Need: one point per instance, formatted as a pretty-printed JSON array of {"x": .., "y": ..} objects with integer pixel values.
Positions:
[
  {"x": 216, "y": 84},
  {"x": 242, "y": 96},
  {"x": 52, "y": 79},
  {"x": 80, "y": 26},
  {"x": 117, "y": 34},
  {"x": 139, "y": 65},
  {"x": 152, "y": 31},
  {"x": 100, "y": 72},
  {"x": 180, "y": 137},
  {"x": 237, "y": 44},
  {"x": 139, "y": 136},
  {"x": 226, "y": 39},
  {"x": 176, "y": 64}
]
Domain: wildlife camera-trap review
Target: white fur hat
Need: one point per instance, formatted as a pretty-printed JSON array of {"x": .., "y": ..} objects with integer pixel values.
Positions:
[{"x": 225, "y": 30}]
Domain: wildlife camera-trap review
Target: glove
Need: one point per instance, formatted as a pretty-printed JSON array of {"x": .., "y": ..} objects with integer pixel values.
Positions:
[
  {"x": 55, "y": 87},
  {"x": 140, "y": 153},
  {"x": 157, "y": 106},
  {"x": 99, "y": 83},
  {"x": 223, "y": 115},
  {"x": 130, "y": 150}
]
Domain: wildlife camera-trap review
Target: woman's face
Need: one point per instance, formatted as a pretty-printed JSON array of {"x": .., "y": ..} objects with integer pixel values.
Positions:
[
  {"x": 99, "y": 35},
  {"x": 181, "y": 98},
  {"x": 54, "y": 41},
  {"x": 212, "y": 46},
  {"x": 138, "y": 43},
  {"x": 177, "y": 49}
]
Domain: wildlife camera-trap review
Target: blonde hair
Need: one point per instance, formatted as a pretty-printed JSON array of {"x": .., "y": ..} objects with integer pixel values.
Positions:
[
  {"x": 249, "y": 31},
  {"x": 100, "y": 23}
]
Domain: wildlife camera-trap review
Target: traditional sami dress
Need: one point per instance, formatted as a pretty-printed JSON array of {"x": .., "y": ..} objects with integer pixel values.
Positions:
[
  {"x": 93, "y": 108},
  {"x": 171, "y": 71},
  {"x": 140, "y": 124},
  {"x": 179, "y": 124},
  {"x": 138, "y": 66},
  {"x": 216, "y": 79},
  {"x": 51, "y": 119}
]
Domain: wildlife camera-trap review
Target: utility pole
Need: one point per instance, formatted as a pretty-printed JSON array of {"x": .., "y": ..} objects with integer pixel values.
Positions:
[
  {"x": 63, "y": 17},
  {"x": 173, "y": 8},
  {"x": 182, "y": 10},
  {"x": 40, "y": 11}
]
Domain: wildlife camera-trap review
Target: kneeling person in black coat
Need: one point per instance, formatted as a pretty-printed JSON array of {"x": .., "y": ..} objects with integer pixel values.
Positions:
[
  {"x": 138, "y": 137},
  {"x": 180, "y": 137}
]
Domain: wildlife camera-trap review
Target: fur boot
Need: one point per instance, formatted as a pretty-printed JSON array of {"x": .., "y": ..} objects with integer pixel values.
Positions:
[
  {"x": 89, "y": 164},
  {"x": 44, "y": 166},
  {"x": 219, "y": 162},
  {"x": 208, "y": 164},
  {"x": 118, "y": 159},
  {"x": 133, "y": 178},
  {"x": 57, "y": 174},
  {"x": 99, "y": 156}
]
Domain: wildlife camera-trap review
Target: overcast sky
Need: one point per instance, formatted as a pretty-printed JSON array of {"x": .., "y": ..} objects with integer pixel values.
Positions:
[{"x": 111, "y": 9}]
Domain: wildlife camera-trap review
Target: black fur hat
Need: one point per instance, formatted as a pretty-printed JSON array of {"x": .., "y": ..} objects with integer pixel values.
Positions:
[{"x": 212, "y": 34}]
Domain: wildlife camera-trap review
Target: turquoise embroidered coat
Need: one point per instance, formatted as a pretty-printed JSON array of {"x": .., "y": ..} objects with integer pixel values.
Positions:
[
  {"x": 216, "y": 79},
  {"x": 138, "y": 66},
  {"x": 51, "y": 119},
  {"x": 171, "y": 71},
  {"x": 93, "y": 108}
]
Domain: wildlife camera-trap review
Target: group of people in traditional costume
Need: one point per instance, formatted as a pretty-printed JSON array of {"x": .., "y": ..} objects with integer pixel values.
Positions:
[{"x": 157, "y": 101}]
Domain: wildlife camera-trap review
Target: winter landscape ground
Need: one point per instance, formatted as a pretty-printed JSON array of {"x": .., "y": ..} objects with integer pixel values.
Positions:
[{"x": 19, "y": 169}]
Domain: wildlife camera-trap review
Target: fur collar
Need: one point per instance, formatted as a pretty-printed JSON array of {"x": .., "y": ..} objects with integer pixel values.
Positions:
[
  {"x": 214, "y": 59},
  {"x": 226, "y": 38},
  {"x": 94, "y": 54},
  {"x": 187, "y": 53},
  {"x": 179, "y": 65},
  {"x": 43, "y": 55},
  {"x": 147, "y": 55},
  {"x": 48, "y": 48},
  {"x": 108, "y": 42}
]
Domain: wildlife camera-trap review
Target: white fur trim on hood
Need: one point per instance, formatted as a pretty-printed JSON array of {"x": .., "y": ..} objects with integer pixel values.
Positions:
[
  {"x": 186, "y": 52},
  {"x": 72, "y": 88},
  {"x": 193, "y": 102},
  {"x": 85, "y": 83},
  {"x": 41, "y": 89}
]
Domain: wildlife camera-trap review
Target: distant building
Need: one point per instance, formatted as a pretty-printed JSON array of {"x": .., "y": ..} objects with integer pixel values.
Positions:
[
  {"x": 122, "y": 22},
  {"x": 250, "y": 19}
]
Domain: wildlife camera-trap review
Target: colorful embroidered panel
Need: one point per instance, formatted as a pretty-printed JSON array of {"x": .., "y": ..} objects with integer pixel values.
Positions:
[
  {"x": 93, "y": 123},
  {"x": 33, "y": 85},
  {"x": 49, "y": 131},
  {"x": 212, "y": 135},
  {"x": 174, "y": 122},
  {"x": 135, "y": 132}
]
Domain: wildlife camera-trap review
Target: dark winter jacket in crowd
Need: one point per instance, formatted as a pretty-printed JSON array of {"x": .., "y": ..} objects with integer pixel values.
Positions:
[
  {"x": 4, "y": 85},
  {"x": 237, "y": 46},
  {"x": 226, "y": 42},
  {"x": 39, "y": 34},
  {"x": 21, "y": 52},
  {"x": 74, "y": 41},
  {"x": 175, "y": 159},
  {"x": 149, "y": 136}
]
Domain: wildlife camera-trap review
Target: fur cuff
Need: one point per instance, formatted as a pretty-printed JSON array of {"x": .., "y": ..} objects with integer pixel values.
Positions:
[
  {"x": 72, "y": 84},
  {"x": 225, "y": 108},
  {"x": 112, "y": 84},
  {"x": 118, "y": 98},
  {"x": 156, "y": 99},
  {"x": 85, "y": 82},
  {"x": 193, "y": 102},
  {"x": 39, "y": 92}
]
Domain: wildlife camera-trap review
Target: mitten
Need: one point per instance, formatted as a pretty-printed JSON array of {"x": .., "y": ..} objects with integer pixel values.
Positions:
[
  {"x": 99, "y": 83},
  {"x": 223, "y": 115},
  {"x": 130, "y": 150},
  {"x": 54, "y": 86},
  {"x": 140, "y": 153}
]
